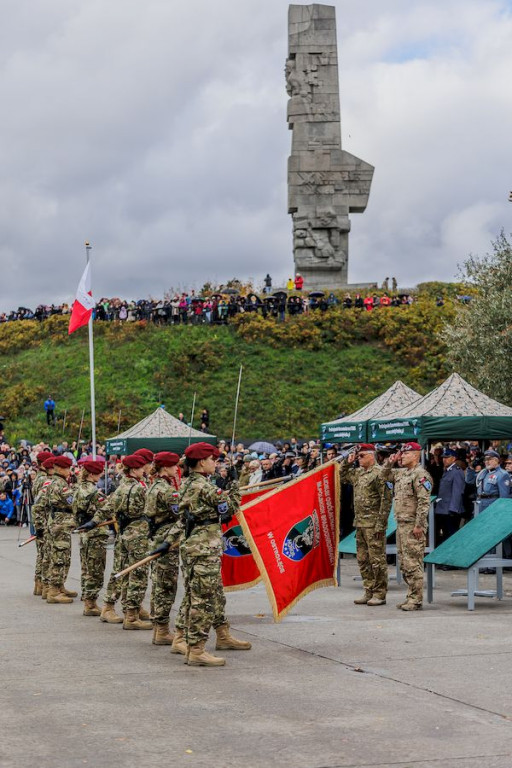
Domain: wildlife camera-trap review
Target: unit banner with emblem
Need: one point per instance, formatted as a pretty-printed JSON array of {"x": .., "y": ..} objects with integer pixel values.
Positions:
[
  {"x": 238, "y": 567},
  {"x": 293, "y": 533}
]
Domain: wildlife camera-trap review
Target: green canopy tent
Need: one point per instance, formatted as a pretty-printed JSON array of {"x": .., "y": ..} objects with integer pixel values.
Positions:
[
  {"x": 159, "y": 432},
  {"x": 353, "y": 428},
  {"x": 453, "y": 411}
]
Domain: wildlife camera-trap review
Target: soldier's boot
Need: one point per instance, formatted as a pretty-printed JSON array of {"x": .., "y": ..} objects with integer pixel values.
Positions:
[
  {"x": 132, "y": 620},
  {"x": 108, "y": 614},
  {"x": 377, "y": 601},
  {"x": 90, "y": 608},
  {"x": 408, "y": 606},
  {"x": 56, "y": 596},
  {"x": 363, "y": 600},
  {"x": 144, "y": 615},
  {"x": 198, "y": 657},
  {"x": 226, "y": 641},
  {"x": 44, "y": 591},
  {"x": 178, "y": 644},
  {"x": 68, "y": 592},
  {"x": 38, "y": 588},
  {"x": 161, "y": 634},
  {"x": 399, "y": 605}
]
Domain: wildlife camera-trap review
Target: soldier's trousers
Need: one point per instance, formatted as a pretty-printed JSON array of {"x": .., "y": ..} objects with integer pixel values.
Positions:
[
  {"x": 164, "y": 576},
  {"x": 46, "y": 551},
  {"x": 181, "y": 618},
  {"x": 116, "y": 587},
  {"x": 410, "y": 552},
  {"x": 38, "y": 571},
  {"x": 59, "y": 528},
  {"x": 205, "y": 602},
  {"x": 371, "y": 558},
  {"x": 134, "y": 547},
  {"x": 93, "y": 556}
]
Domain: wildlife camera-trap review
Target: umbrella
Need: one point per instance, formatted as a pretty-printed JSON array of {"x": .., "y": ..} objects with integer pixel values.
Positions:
[
  {"x": 279, "y": 294},
  {"x": 230, "y": 291},
  {"x": 263, "y": 447},
  {"x": 317, "y": 294}
]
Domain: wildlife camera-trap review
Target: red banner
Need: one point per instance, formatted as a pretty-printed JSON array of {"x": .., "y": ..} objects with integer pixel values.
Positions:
[
  {"x": 293, "y": 532},
  {"x": 238, "y": 568}
]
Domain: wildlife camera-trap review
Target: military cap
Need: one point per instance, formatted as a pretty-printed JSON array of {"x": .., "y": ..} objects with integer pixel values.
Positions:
[
  {"x": 449, "y": 452},
  {"x": 42, "y": 456},
  {"x": 135, "y": 461},
  {"x": 166, "y": 459},
  {"x": 64, "y": 462},
  {"x": 247, "y": 457},
  {"x": 49, "y": 462},
  {"x": 490, "y": 454},
  {"x": 411, "y": 447},
  {"x": 201, "y": 451},
  {"x": 366, "y": 448},
  {"x": 93, "y": 467},
  {"x": 146, "y": 453}
]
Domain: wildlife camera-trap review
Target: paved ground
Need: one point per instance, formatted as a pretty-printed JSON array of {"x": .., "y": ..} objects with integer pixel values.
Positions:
[{"x": 333, "y": 685}]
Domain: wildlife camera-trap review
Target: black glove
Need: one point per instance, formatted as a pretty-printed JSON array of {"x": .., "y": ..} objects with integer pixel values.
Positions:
[
  {"x": 162, "y": 549},
  {"x": 88, "y": 526},
  {"x": 39, "y": 533}
]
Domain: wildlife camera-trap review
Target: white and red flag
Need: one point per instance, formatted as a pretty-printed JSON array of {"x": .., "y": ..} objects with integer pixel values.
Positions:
[{"x": 83, "y": 305}]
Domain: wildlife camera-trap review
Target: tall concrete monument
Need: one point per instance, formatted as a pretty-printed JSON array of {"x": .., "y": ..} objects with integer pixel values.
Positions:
[{"x": 325, "y": 183}]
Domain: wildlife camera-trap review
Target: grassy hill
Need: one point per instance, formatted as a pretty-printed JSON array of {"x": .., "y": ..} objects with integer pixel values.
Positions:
[{"x": 296, "y": 374}]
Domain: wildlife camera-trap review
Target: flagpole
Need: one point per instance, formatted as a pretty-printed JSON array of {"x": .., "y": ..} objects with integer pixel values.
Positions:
[{"x": 91, "y": 368}]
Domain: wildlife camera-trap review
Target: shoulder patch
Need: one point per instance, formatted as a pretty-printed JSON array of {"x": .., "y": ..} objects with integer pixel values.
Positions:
[
  {"x": 426, "y": 484},
  {"x": 389, "y": 485}
]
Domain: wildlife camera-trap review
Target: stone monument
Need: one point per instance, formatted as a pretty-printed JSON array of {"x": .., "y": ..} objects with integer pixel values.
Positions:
[{"x": 325, "y": 183}]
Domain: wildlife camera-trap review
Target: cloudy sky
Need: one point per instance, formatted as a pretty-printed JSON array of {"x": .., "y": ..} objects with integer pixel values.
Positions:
[{"x": 157, "y": 130}]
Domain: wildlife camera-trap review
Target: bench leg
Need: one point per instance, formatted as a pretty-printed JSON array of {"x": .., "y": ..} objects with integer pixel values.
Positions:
[{"x": 472, "y": 584}]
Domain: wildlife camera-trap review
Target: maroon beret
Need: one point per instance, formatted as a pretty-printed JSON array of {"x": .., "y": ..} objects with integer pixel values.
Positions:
[
  {"x": 166, "y": 459},
  {"x": 64, "y": 462},
  {"x": 146, "y": 453},
  {"x": 93, "y": 467},
  {"x": 135, "y": 461},
  {"x": 411, "y": 447},
  {"x": 201, "y": 451},
  {"x": 366, "y": 448},
  {"x": 49, "y": 462},
  {"x": 42, "y": 456}
]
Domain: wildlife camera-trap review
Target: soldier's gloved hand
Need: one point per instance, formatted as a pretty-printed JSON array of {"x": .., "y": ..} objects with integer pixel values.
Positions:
[
  {"x": 87, "y": 526},
  {"x": 162, "y": 549},
  {"x": 40, "y": 533}
]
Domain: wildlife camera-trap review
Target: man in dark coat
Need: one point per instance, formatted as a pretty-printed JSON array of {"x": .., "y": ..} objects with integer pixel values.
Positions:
[{"x": 449, "y": 503}]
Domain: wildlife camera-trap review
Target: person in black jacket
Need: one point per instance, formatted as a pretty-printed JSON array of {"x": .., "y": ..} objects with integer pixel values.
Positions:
[{"x": 449, "y": 506}]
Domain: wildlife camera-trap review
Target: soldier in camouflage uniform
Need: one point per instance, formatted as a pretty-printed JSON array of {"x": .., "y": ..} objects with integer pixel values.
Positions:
[
  {"x": 60, "y": 524},
  {"x": 164, "y": 525},
  {"x": 126, "y": 505},
  {"x": 203, "y": 507},
  {"x": 42, "y": 477},
  {"x": 372, "y": 503},
  {"x": 413, "y": 487},
  {"x": 93, "y": 553}
]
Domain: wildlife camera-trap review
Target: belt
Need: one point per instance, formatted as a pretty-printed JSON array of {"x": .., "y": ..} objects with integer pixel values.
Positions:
[{"x": 488, "y": 496}]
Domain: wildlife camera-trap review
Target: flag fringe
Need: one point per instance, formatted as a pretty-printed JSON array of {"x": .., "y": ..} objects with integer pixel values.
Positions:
[{"x": 240, "y": 587}]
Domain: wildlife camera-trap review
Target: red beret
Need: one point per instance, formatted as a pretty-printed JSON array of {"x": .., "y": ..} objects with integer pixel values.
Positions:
[
  {"x": 146, "y": 453},
  {"x": 62, "y": 461},
  {"x": 411, "y": 447},
  {"x": 135, "y": 461},
  {"x": 366, "y": 448},
  {"x": 94, "y": 467},
  {"x": 49, "y": 462},
  {"x": 201, "y": 451},
  {"x": 42, "y": 456},
  {"x": 166, "y": 459}
]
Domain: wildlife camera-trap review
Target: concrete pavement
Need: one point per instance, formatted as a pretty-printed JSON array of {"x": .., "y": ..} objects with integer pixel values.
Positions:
[{"x": 333, "y": 686}]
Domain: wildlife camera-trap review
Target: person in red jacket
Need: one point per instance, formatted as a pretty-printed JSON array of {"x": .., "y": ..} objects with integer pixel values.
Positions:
[
  {"x": 368, "y": 303},
  {"x": 299, "y": 282}
]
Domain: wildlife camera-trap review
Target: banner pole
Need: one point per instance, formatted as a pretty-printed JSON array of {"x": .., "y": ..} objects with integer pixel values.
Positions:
[
  {"x": 232, "y": 447},
  {"x": 91, "y": 367},
  {"x": 192, "y": 418}
]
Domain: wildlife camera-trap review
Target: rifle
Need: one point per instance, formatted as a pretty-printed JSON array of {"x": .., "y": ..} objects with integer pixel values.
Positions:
[
  {"x": 140, "y": 563},
  {"x": 100, "y": 525},
  {"x": 27, "y": 541}
]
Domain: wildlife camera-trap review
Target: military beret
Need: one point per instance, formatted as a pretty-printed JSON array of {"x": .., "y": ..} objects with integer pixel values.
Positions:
[
  {"x": 49, "y": 462},
  {"x": 411, "y": 447},
  {"x": 42, "y": 456},
  {"x": 94, "y": 467},
  {"x": 135, "y": 461},
  {"x": 166, "y": 459},
  {"x": 146, "y": 453},
  {"x": 62, "y": 461},
  {"x": 201, "y": 451},
  {"x": 366, "y": 448},
  {"x": 490, "y": 454}
]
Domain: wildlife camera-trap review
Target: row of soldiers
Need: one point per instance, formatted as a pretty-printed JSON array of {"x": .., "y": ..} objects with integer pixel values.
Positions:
[{"x": 150, "y": 510}]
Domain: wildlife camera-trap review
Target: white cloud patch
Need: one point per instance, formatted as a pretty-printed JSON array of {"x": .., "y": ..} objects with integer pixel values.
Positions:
[{"x": 158, "y": 130}]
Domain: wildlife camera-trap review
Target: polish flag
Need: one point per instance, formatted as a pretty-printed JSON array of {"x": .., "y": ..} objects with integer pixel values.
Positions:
[{"x": 83, "y": 305}]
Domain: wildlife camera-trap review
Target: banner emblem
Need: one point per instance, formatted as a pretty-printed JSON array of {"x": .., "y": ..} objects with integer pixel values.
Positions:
[{"x": 302, "y": 538}]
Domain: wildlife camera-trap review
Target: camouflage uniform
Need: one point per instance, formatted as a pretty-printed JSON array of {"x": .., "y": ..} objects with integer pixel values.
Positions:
[
  {"x": 93, "y": 553},
  {"x": 372, "y": 503},
  {"x": 126, "y": 504},
  {"x": 60, "y": 524},
  {"x": 204, "y": 601},
  {"x": 39, "y": 521},
  {"x": 412, "y": 501},
  {"x": 162, "y": 511}
]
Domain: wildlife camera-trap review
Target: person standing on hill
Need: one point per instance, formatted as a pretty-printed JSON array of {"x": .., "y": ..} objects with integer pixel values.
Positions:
[{"x": 49, "y": 407}]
